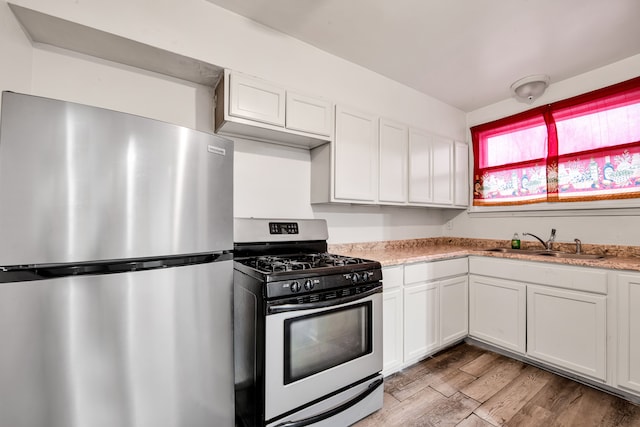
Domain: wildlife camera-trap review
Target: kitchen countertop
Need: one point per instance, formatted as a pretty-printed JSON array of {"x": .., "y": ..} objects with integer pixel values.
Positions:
[{"x": 395, "y": 252}]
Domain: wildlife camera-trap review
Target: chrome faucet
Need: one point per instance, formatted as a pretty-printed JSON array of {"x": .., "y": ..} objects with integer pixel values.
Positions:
[
  {"x": 548, "y": 245},
  {"x": 578, "y": 246}
]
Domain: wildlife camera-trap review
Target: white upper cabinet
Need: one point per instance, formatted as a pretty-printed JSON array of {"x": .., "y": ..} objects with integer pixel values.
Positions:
[
  {"x": 394, "y": 138},
  {"x": 420, "y": 189},
  {"x": 380, "y": 161},
  {"x": 309, "y": 114},
  {"x": 356, "y": 156},
  {"x": 432, "y": 180},
  {"x": 442, "y": 170},
  {"x": 255, "y": 99},
  {"x": 461, "y": 174},
  {"x": 252, "y": 108}
]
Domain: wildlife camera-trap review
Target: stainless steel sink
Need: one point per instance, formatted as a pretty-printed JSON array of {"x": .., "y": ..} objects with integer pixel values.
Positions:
[
  {"x": 515, "y": 251},
  {"x": 545, "y": 253},
  {"x": 569, "y": 256}
]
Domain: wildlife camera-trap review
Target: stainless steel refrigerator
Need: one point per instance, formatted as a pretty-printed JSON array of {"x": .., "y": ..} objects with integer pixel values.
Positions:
[{"x": 116, "y": 238}]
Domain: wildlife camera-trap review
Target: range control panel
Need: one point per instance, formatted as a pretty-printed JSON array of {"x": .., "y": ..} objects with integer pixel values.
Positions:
[
  {"x": 308, "y": 285},
  {"x": 283, "y": 228}
]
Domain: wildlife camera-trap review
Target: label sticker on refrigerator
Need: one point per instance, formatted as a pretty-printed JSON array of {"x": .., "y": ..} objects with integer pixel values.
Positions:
[{"x": 216, "y": 150}]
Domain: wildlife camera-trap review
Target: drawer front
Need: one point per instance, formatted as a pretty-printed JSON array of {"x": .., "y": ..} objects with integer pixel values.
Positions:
[
  {"x": 392, "y": 277},
  {"x": 427, "y": 271},
  {"x": 576, "y": 278}
]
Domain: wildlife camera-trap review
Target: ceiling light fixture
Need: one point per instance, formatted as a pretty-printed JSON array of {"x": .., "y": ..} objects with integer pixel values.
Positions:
[{"x": 529, "y": 88}]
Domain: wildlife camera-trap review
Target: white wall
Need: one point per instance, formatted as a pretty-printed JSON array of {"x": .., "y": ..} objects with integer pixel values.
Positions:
[
  {"x": 592, "y": 227},
  {"x": 266, "y": 173},
  {"x": 270, "y": 181},
  {"x": 15, "y": 50}
]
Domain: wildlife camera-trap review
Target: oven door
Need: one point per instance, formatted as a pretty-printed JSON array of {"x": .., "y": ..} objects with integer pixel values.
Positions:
[{"x": 313, "y": 353}]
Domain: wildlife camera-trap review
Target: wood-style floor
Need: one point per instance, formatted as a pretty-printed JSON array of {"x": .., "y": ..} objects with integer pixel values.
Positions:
[{"x": 469, "y": 386}]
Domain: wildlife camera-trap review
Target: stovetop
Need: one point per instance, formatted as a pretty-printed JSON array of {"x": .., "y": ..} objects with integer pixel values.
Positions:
[
  {"x": 283, "y": 263},
  {"x": 304, "y": 274},
  {"x": 289, "y": 258}
]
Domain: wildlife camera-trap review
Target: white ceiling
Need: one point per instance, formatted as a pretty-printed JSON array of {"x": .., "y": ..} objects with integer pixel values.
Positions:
[{"x": 463, "y": 52}]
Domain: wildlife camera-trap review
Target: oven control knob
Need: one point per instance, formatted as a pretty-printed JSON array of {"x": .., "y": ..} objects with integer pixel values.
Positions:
[
  {"x": 308, "y": 285},
  {"x": 295, "y": 287},
  {"x": 366, "y": 276},
  {"x": 355, "y": 278}
]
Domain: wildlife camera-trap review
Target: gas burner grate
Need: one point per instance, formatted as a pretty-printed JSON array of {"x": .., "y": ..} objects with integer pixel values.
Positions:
[{"x": 299, "y": 262}]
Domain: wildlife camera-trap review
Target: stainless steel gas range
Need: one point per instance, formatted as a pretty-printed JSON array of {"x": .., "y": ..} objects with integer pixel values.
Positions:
[{"x": 308, "y": 327}]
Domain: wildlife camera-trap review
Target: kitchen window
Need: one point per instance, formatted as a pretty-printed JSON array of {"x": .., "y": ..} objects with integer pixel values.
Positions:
[{"x": 583, "y": 148}]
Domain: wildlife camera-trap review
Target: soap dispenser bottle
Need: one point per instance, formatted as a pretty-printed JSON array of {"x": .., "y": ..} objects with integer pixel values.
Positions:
[{"x": 515, "y": 241}]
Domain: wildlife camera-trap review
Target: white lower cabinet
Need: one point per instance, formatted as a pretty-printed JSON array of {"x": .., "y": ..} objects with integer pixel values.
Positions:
[
  {"x": 435, "y": 306},
  {"x": 425, "y": 308},
  {"x": 392, "y": 328},
  {"x": 497, "y": 312},
  {"x": 554, "y": 314},
  {"x": 568, "y": 329},
  {"x": 454, "y": 310},
  {"x": 582, "y": 321},
  {"x": 628, "y": 305},
  {"x": 421, "y": 320}
]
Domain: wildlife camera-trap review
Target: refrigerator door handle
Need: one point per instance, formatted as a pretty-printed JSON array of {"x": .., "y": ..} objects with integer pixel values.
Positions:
[{"x": 40, "y": 272}]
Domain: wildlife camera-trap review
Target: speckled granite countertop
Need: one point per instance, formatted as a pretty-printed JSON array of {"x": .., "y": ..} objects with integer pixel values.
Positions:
[{"x": 432, "y": 249}]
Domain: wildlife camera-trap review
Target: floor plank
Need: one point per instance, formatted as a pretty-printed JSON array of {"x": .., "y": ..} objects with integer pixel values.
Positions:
[
  {"x": 481, "y": 364},
  {"x": 504, "y": 404},
  {"x": 466, "y": 386},
  {"x": 474, "y": 421},
  {"x": 503, "y": 371}
]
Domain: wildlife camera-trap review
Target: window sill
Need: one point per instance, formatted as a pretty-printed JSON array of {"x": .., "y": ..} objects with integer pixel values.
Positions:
[{"x": 624, "y": 207}]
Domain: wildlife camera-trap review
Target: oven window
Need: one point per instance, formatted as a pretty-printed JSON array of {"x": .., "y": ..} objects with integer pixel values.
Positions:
[{"x": 323, "y": 340}]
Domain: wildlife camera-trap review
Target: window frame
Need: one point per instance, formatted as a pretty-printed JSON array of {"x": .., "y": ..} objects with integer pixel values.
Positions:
[{"x": 604, "y": 99}]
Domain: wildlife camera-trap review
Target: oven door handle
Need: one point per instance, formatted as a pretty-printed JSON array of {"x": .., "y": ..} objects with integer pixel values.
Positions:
[
  {"x": 281, "y": 308},
  {"x": 346, "y": 405}
]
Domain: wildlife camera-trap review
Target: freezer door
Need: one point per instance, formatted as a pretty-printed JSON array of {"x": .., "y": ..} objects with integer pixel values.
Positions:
[
  {"x": 143, "y": 349},
  {"x": 80, "y": 183}
]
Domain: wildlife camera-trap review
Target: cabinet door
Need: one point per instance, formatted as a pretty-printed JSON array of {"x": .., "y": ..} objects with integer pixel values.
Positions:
[
  {"x": 568, "y": 329},
  {"x": 454, "y": 310},
  {"x": 392, "y": 330},
  {"x": 421, "y": 329},
  {"x": 629, "y": 331},
  {"x": 308, "y": 114},
  {"x": 442, "y": 170},
  {"x": 392, "y": 280},
  {"x": 497, "y": 312},
  {"x": 419, "y": 167},
  {"x": 255, "y": 99},
  {"x": 356, "y": 156},
  {"x": 461, "y": 174},
  {"x": 394, "y": 141}
]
